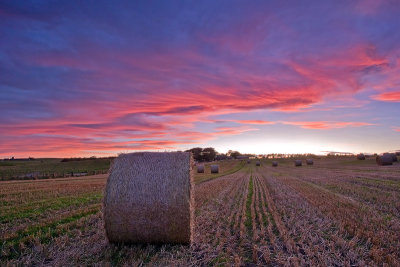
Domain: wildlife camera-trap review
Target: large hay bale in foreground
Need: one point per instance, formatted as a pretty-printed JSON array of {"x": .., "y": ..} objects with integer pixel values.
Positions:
[
  {"x": 149, "y": 198},
  {"x": 214, "y": 168},
  {"x": 200, "y": 168},
  {"x": 361, "y": 156},
  {"x": 309, "y": 161},
  {"x": 274, "y": 164},
  {"x": 385, "y": 159},
  {"x": 258, "y": 163},
  {"x": 298, "y": 163}
]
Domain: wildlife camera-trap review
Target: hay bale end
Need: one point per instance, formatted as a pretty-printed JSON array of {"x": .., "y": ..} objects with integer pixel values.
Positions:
[
  {"x": 384, "y": 160},
  {"x": 149, "y": 198},
  {"x": 298, "y": 163},
  {"x": 361, "y": 156},
  {"x": 214, "y": 168},
  {"x": 200, "y": 168}
]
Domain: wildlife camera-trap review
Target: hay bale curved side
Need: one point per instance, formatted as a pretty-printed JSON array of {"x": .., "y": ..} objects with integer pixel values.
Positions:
[
  {"x": 298, "y": 163},
  {"x": 309, "y": 161},
  {"x": 361, "y": 156},
  {"x": 274, "y": 164},
  {"x": 214, "y": 168},
  {"x": 200, "y": 168},
  {"x": 149, "y": 198},
  {"x": 384, "y": 160},
  {"x": 394, "y": 157},
  {"x": 258, "y": 163}
]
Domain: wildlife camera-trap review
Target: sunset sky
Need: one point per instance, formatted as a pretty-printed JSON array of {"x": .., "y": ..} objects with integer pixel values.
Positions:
[{"x": 105, "y": 77}]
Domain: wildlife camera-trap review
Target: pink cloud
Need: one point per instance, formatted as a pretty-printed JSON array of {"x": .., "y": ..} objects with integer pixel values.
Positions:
[
  {"x": 325, "y": 125},
  {"x": 388, "y": 96},
  {"x": 260, "y": 122}
]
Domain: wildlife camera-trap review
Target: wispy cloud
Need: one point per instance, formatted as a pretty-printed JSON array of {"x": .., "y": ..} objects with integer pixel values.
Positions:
[
  {"x": 325, "y": 125},
  {"x": 388, "y": 96}
]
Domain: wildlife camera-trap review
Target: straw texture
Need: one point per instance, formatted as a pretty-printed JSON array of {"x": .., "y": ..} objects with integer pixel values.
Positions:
[
  {"x": 298, "y": 163},
  {"x": 200, "y": 168},
  {"x": 149, "y": 198},
  {"x": 361, "y": 156},
  {"x": 214, "y": 168},
  {"x": 385, "y": 159}
]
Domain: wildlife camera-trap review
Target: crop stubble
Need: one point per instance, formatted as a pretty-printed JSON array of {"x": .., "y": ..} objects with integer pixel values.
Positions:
[{"x": 323, "y": 215}]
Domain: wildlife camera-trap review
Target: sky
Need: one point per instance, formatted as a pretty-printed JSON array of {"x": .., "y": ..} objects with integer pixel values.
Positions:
[{"x": 107, "y": 77}]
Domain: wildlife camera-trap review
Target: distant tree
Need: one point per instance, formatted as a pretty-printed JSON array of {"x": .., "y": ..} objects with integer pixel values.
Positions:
[
  {"x": 209, "y": 154},
  {"x": 197, "y": 153},
  {"x": 235, "y": 154}
]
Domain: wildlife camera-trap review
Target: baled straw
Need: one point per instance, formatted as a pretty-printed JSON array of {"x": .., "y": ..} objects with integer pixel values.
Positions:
[
  {"x": 149, "y": 198},
  {"x": 361, "y": 156},
  {"x": 298, "y": 163},
  {"x": 309, "y": 161},
  {"x": 200, "y": 168},
  {"x": 214, "y": 168},
  {"x": 274, "y": 164},
  {"x": 258, "y": 163},
  {"x": 385, "y": 159}
]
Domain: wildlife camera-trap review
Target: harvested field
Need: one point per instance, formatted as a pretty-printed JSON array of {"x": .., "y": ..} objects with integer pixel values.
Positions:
[{"x": 339, "y": 212}]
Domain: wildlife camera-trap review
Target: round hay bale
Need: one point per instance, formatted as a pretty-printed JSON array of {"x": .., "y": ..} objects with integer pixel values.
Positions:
[
  {"x": 200, "y": 168},
  {"x": 298, "y": 163},
  {"x": 385, "y": 159},
  {"x": 361, "y": 156},
  {"x": 309, "y": 161},
  {"x": 214, "y": 168},
  {"x": 149, "y": 198},
  {"x": 274, "y": 164},
  {"x": 258, "y": 163},
  {"x": 394, "y": 157},
  {"x": 248, "y": 162}
]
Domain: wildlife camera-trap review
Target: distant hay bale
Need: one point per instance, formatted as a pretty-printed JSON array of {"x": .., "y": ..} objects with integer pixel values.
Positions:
[
  {"x": 248, "y": 162},
  {"x": 309, "y": 161},
  {"x": 385, "y": 159},
  {"x": 200, "y": 168},
  {"x": 214, "y": 168},
  {"x": 274, "y": 164},
  {"x": 394, "y": 157},
  {"x": 149, "y": 198},
  {"x": 361, "y": 156},
  {"x": 298, "y": 163},
  {"x": 258, "y": 163}
]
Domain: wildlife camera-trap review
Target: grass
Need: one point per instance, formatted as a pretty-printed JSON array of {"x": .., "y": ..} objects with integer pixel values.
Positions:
[
  {"x": 35, "y": 209},
  {"x": 50, "y": 168},
  {"x": 226, "y": 167},
  {"x": 40, "y": 233}
]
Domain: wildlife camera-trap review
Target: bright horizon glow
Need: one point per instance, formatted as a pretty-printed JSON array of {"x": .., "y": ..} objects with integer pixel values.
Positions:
[{"x": 257, "y": 77}]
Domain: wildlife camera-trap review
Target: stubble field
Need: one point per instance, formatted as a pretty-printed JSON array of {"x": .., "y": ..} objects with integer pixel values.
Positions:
[{"x": 338, "y": 212}]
